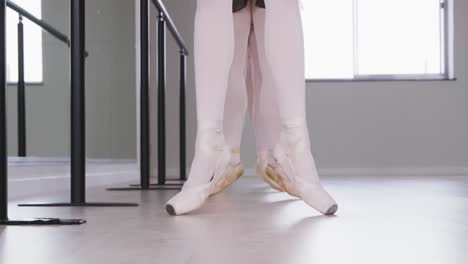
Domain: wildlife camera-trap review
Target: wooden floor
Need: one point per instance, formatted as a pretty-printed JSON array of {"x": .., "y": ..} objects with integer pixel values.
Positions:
[{"x": 412, "y": 219}]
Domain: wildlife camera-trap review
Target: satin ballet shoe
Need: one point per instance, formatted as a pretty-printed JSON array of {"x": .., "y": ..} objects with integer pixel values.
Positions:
[
  {"x": 295, "y": 169},
  {"x": 211, "y": 163},
  {"x": 264, "y": 158},
  {"x": 192, "y": 197},
  {"x": 234, "y": 171},
  {"x": 266, "y": 178}
]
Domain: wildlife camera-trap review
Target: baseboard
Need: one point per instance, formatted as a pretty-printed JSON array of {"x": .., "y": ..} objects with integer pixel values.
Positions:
[
  {"x": 413, "y": 171},
  {"x": 409, "y": 171},
  {"x": 32, "y": 176},
  {"x": 37, "y": 161}
]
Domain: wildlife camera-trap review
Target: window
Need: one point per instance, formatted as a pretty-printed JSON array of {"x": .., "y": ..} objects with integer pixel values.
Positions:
[
  {"x": 376, "y": 39},
  {"x": 32, "y": 43}
]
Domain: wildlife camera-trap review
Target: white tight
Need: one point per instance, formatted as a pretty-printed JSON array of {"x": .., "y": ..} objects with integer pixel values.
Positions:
[
  {"x": 284, "y": 47},
  {"x": 214, "y": 49},
  {"x": 236, "y": 103},
  {"x": 265, "y": 114},
  {"x": 213, "y": 53},
  {"x": 261, "y": 95},
  {"x": 218, "y": 35}
]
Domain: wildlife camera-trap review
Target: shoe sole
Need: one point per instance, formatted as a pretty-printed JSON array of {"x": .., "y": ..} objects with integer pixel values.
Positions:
[
  {"x": 170, "y": 209},
  {"x": 332, "y": 210}
]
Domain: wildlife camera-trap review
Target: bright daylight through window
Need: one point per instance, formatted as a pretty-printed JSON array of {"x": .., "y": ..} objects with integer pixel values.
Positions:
[
  {"x": 32, "y": 43},
  {"x": 365, "y": 39}
]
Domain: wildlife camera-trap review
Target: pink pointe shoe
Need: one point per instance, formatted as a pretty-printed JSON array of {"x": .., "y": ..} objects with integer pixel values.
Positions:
[
  {"x": 264, "y": 158},
  {"x": 295, "y": 169},
  {"x": 211, "y": 165},
  {"x": 236, "y": 169}
]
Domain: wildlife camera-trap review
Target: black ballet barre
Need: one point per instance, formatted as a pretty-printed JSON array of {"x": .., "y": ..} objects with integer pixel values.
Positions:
[
  {"x": 78, "y": 113},
  {"x": 4, "y": 220},
  {"x": 45, "y": 26},
  {"x": 164, "y": 20}
]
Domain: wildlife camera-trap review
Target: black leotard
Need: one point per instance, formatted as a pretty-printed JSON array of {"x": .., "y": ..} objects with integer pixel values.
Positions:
[{"x": 238, "y": 5}]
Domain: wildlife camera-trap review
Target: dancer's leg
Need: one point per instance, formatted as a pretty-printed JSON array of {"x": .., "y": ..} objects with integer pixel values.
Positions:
[
  {"x": 236, "y": 97},
  {"x": 284, "y": 46},
  {"x": 263, "y": 107},
  {"x": 213, "y": 59},
  {"x": 214, "y": 48},
  {"x": 251, "y": 81},
  {"x": 235, "y": 105}
]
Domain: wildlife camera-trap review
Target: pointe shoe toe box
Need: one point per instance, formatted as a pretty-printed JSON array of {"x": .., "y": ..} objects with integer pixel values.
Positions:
[
  {"x": 186, "y": 201},
  {"x": 317, "y": 197}
]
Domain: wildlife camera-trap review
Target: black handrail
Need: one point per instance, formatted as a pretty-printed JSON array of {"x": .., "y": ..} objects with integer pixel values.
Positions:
[
  {"x": 171, "y": 26},
  {"x": 164, "y": 20},
  {"x": 54, "y": 32}
]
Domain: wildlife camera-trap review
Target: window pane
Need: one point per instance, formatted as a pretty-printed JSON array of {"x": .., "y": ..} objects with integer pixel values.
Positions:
[
  {"x": 398, "y": 37},
  {"x": 32, "y": 43},
  {"x": 328, "y": 36}
]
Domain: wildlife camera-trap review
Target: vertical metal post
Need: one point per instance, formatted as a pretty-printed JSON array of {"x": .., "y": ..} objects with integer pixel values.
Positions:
[
  {"x": 21, "y": 92},
  {"x": 144, "y": 97},
  {"x": 3, "y": 143},
  {"x": 161, "y": 99},
  {"x": 446, "y": 52},
  {"x": 3, "y": 138},
  {"x": 78, "y": 113},
  {"x": 78, "y": 152},
  {"x": 144, "y": 105},
  {"x": 182, "y": 149},
  {"x": 3, "y": 130}
]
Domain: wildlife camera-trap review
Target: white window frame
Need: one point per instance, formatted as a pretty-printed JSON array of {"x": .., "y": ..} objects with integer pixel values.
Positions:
[{"x": 447, "y": 30}]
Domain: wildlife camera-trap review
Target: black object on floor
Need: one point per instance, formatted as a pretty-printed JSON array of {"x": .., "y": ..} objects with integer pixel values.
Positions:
[
  {"x": 79, "y": 204},
  {"x": 43, "y": 221}
]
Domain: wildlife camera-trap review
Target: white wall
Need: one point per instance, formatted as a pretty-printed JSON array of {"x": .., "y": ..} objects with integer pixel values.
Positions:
[{"x": 375, "y": 126}]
